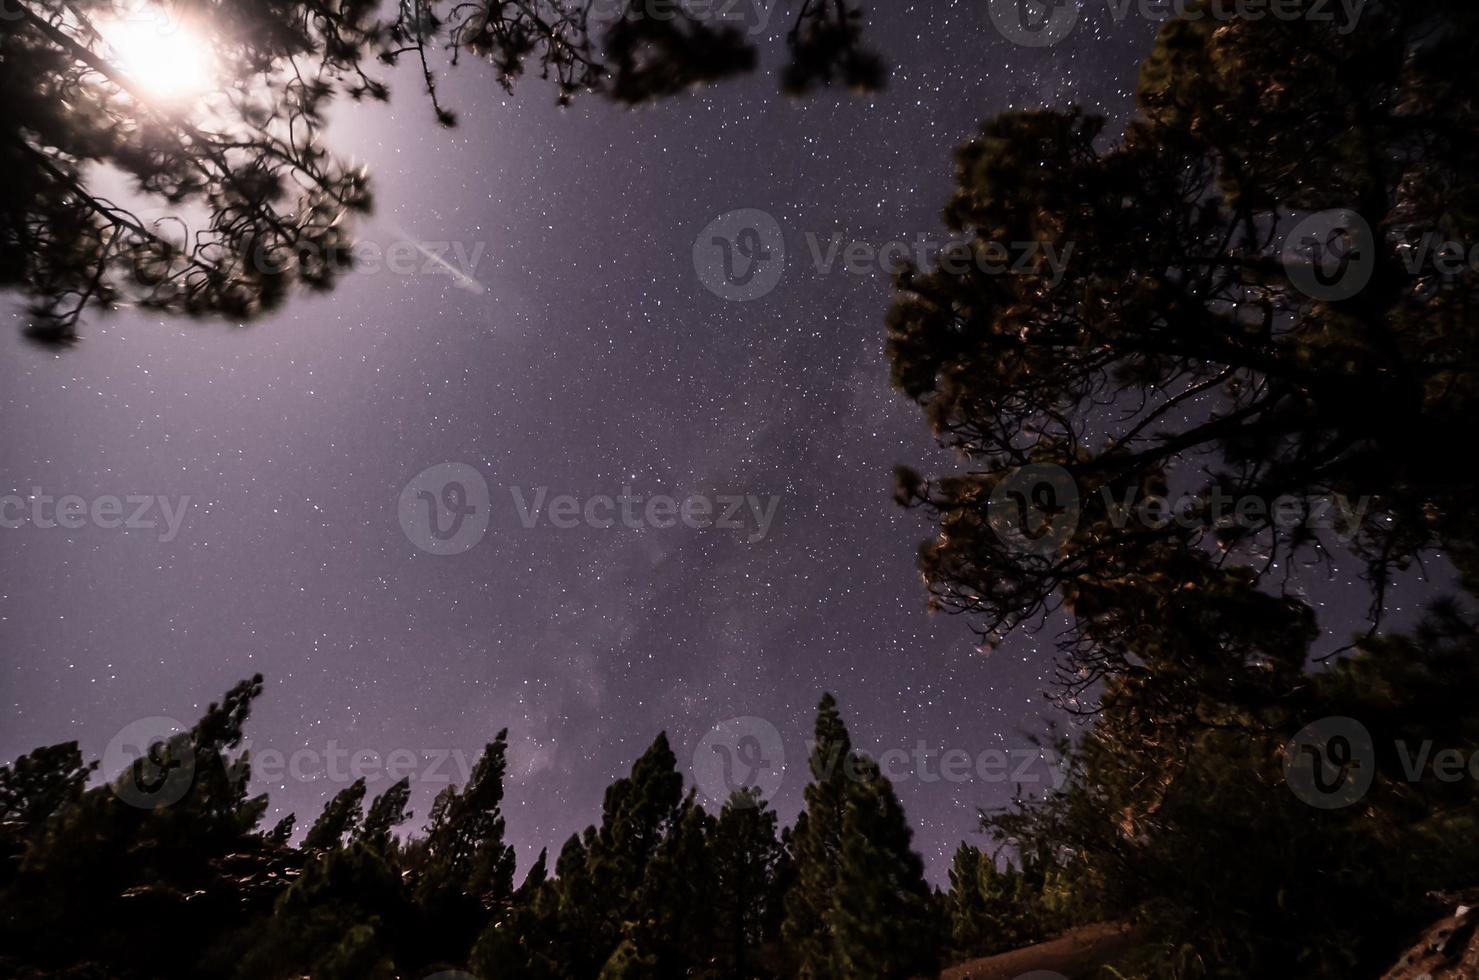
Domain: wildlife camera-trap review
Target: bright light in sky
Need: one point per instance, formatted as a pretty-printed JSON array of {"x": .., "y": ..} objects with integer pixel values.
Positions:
[{"x": 163, "y": 58}]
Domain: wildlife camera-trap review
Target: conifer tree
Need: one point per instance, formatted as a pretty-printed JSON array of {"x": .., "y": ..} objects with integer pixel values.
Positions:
[
  {"x": 273, "y": 201},
  {"x": 282, "y": 831},
  {"x": 340, "y": 816},
  {"x": 991, "y": 910},
  {"x": 1254, "y": 310},
  {"x": 965, "y": 906},
  {"x": 386, "y": 813},
  {"x": 38, "y": 784},
  {"x": 521, "y": 945},
  {"x": 672, "y": 916},
  {"x": 885, "y": 921},
  {"x": 346, "y": 917},
  {"x": 817, "y": 846},
  {"x": 859, "y": 905},
  {"x": 535, "y": 878},
  {"x": 747, "y": 857},
  {"x": 467, "y": 871},
  {"x": 110, "y": 856},
  {"x": 638, "y": 812}
]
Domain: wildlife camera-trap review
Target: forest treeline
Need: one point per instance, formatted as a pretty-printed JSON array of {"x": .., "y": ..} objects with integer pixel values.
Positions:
[
  {"x": 1251, "y": 314},
  {"x": 144, "y": 884},
  {"x": 1198, "y": 842}
]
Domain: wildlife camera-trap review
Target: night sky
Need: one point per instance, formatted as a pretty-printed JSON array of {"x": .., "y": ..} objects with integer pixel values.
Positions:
[{"x": 587, "y": 357}]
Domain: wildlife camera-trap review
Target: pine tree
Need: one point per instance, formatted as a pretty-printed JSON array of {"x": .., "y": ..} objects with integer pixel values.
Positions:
[
  {"x": 970, "y": 929},
  {"x": 282, "y": 831},
  {"x": 673, "y": 914},
  {"x": 347, "y": 916},
  {"x": 807, "y": 931},
  {"x": 635, "y": 885},
  {"x": 1262, "y": 151},
  {"x": 534, "y": 880},
  {"x": 105, "y": 856},
  {"x": 991, "y": 909},
  {"x": 274, "y": 201},
  {"x": 521, "y": 945},
  {"x": 628, "y": 962},
  {"x": 468, "y": 869},
  {"x": 884, "y": 918},
  {"x": 859, "y": 905},
  {"x": 39, "y": 784},
  {"x": 337, "y": 823},
  {"x": 747, "y": 856},
  {"x": 386, "y": 813}
]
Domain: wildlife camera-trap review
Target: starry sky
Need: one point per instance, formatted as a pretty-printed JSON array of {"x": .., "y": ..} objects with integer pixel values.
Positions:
[{"x": 587, "y": 358}]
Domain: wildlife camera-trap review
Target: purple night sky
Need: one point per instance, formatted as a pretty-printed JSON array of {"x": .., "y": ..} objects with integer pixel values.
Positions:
[{"x": 588, "y": 358}]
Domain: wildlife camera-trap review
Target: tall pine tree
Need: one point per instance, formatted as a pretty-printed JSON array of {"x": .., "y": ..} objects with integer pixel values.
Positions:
[
  {"x": 340, "y": 816},
  {"x": 747, "y": 856},
  {"x": 859, "y": 905}
]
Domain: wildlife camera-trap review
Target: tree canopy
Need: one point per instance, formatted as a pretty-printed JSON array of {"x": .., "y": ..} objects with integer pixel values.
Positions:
[
  {"x": 1189, "y": 347},
  {"x": 1260, "y": 306},
  {"x": 253, "y": 201},
  {"x": 659, "y": 888}
]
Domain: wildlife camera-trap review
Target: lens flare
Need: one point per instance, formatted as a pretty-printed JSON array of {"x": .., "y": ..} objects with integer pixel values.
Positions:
[{"x": 161, "y": 57}]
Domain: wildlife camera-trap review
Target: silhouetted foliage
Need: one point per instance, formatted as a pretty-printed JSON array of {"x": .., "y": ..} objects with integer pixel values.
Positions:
[
  {"x": 859, "y": 905},
  {"x": 660, "y": 888},
  {"x": 340, "y": 818},
  {"x": 1180, "y": 348},
  {"x": 1198, "y": 837},
  {"x": 1196, "y": 342},
  {"x": 254, "y": 202},
  {"x": 992, "y": 909},
  {"x": 747, "y": 905},
  {"x": 386, "y": 813}
]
